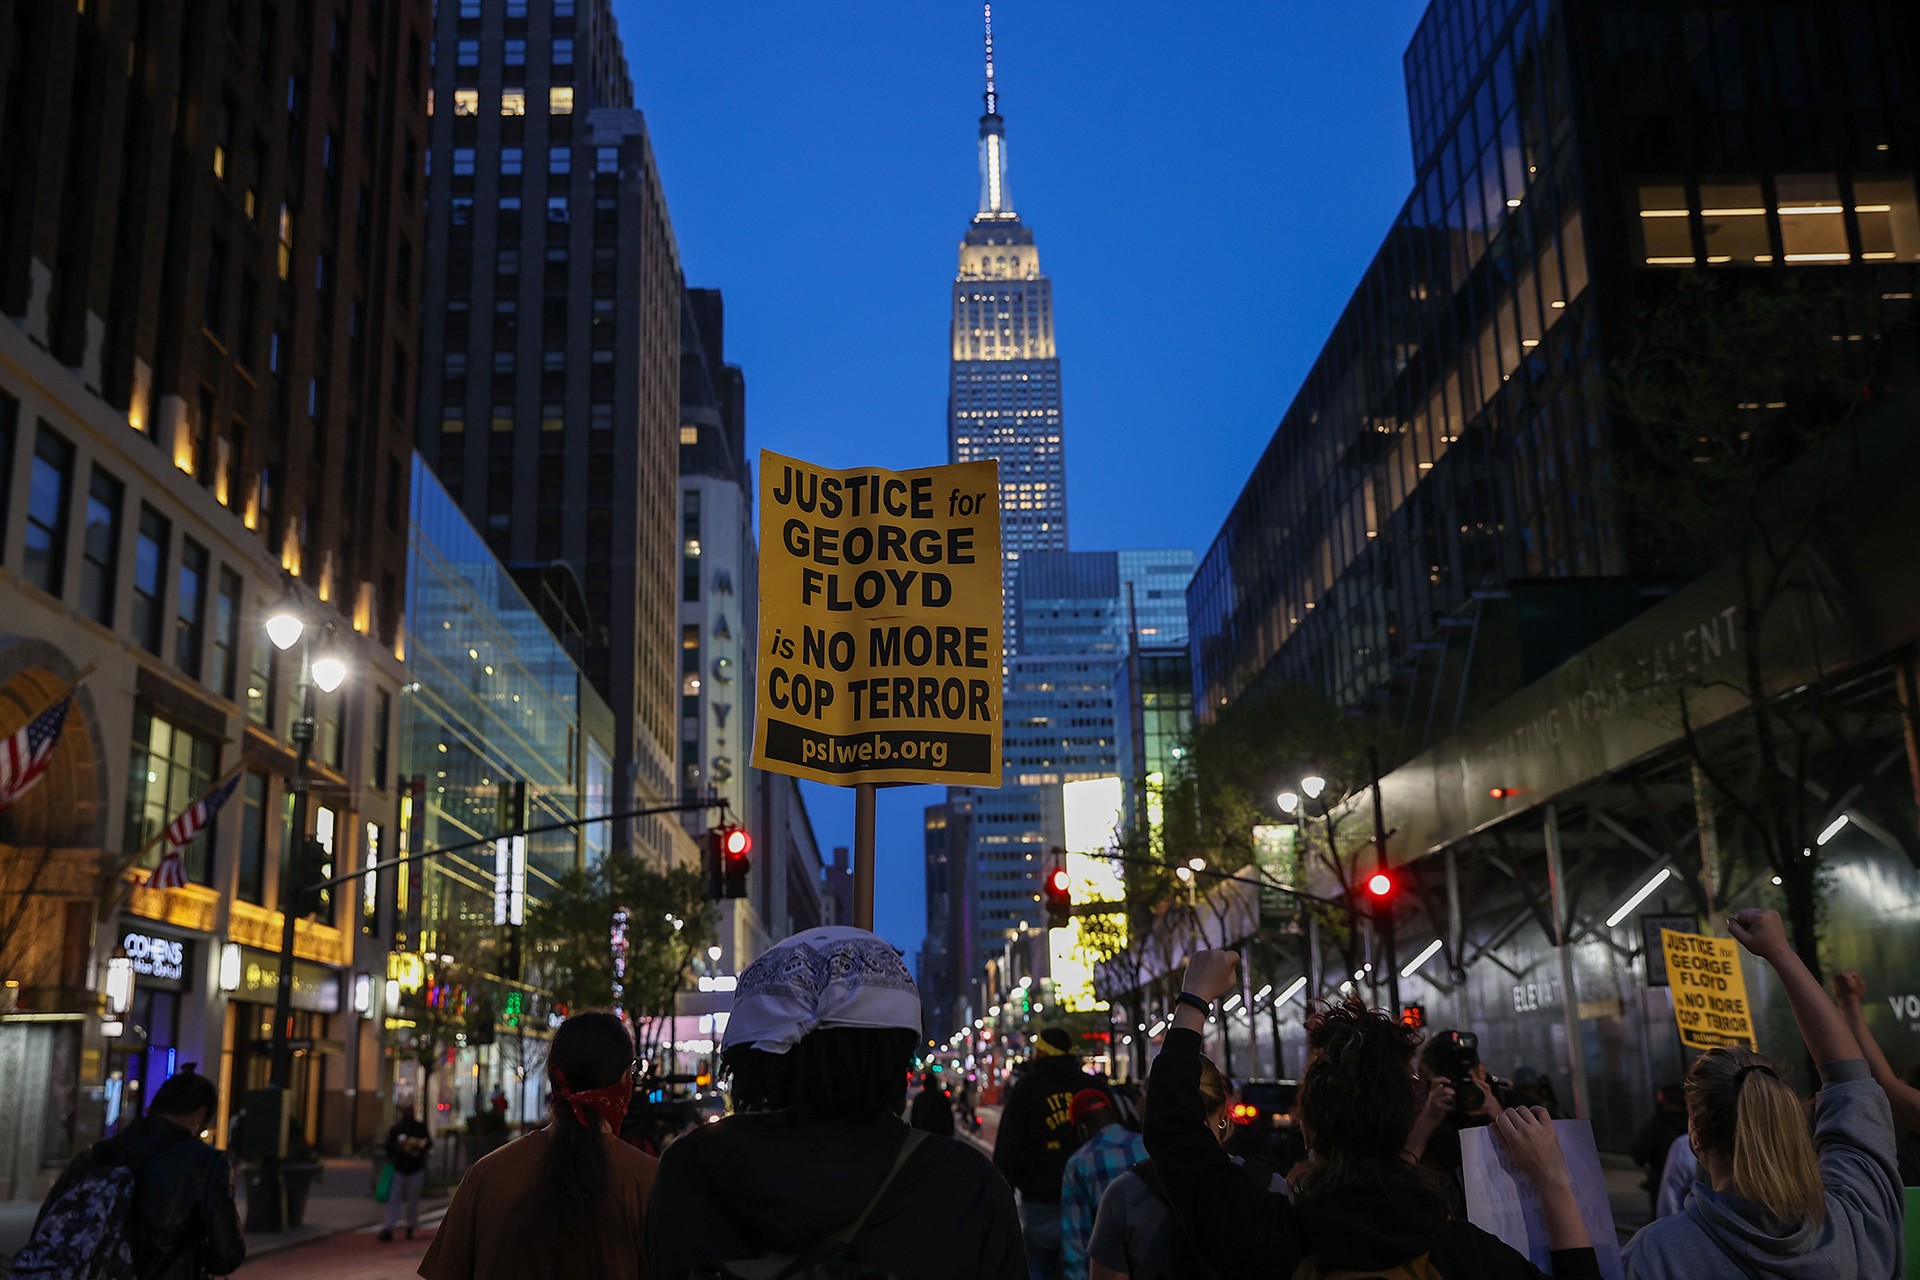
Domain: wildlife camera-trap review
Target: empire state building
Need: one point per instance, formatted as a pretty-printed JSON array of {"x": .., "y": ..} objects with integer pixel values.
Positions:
[{"x": 1003, "y": 395}]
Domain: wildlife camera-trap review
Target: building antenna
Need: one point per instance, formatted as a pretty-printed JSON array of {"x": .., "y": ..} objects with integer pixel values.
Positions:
[{"x": 992, "y": 95}]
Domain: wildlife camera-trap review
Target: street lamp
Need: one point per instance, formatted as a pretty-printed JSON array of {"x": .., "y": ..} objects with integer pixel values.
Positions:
[{"x": 286, "y": 628}]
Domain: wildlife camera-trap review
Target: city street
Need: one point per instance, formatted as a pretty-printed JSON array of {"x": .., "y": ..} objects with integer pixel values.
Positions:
[{"x": 351, "y": 1255}]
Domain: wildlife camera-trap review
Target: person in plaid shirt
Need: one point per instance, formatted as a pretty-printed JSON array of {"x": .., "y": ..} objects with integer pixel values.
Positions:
[{"x": 1107, "y": 1150}]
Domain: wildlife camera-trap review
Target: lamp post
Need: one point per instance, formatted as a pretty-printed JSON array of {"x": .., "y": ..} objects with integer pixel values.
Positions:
[
  {"x": 1380, "y": 914},
  {"x": 286, "y": 629}
]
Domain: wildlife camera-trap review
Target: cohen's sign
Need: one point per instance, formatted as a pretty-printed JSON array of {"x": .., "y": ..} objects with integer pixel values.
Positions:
[{"x": 154, "y": 956}]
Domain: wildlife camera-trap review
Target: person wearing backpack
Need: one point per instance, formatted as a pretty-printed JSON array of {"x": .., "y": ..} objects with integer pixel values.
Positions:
[
  {"x": 568, "y": 1200},
  {"x": 1770, "y": 1200},
  {"x": 1036, "y": 1139},
  {"x": 1133, "y": 1236},
  {"x": 153, "y": 1202},
  {"x": 1362, "y": 1208},
  {"x": 815, "y": 1176}
]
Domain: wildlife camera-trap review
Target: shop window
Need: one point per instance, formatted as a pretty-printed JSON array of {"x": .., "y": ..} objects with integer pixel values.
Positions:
[
  {"x": 1889, "y": 221},
  {"x": 169, "y": 768},
  {"x": 1735, "y": 217},
  {"x": 1813, "y": 226},
  {"x": 1666, "y": 226}
]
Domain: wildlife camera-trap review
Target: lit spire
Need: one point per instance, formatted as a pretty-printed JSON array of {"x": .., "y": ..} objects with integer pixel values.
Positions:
[{"x": 995, "y": 200}]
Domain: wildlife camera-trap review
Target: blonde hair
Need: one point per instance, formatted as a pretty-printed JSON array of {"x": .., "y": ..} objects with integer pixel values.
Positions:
[
  {"x": 1213, "y": 1087},
  {"x": 1739, "y": 1105}
]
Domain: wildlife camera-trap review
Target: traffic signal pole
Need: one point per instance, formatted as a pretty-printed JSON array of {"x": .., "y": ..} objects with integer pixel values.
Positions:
[{"x": 1384, "y": 905}]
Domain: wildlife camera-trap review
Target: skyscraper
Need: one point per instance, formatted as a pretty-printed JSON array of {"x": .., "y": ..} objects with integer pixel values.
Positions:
[
  {"x": 1003, "y": 390},
  {"x": 550, "y": 401}
]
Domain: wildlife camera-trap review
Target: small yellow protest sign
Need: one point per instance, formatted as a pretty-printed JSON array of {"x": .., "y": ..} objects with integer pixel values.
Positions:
[
  {"x": 880, "y": 623},
  {"x": 1709, "y": 990}
]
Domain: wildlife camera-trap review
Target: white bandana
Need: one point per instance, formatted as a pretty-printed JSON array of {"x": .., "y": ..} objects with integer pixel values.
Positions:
[{"x": 829, "y": 977}]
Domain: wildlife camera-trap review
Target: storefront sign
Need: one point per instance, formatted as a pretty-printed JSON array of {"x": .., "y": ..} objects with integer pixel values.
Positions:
[
  {"x": 880, "y": 612},
  {"x": 1709, "y": 990},
  {"x": 316, "y": 989},
  {"x": 156, "y": 956}
]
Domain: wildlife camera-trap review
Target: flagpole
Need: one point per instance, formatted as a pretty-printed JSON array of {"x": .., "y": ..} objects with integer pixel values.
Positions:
[
  {"x": 67, "y": 691},
  {"x": 154, "y": 839}
]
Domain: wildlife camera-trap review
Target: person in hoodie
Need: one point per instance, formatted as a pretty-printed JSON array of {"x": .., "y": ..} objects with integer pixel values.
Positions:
[
  {"x": 1035, "y": 1141},
  {"x": 1362, "y": 1205},
  {"x": 932, "y": 1107},
  {"x": 822, "y": 1033},
  {"x": 1772, "y": 1200}
]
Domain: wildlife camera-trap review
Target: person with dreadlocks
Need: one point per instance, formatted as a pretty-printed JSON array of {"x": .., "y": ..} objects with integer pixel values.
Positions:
[
  {"x": 567, "y": 1200},
  {"x": 815, "y": 1161},
  {"x": 1363, "y": 1207}
]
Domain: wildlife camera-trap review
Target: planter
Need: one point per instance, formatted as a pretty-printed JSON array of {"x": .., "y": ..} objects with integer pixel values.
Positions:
[{"x": 298, "y": 1180}]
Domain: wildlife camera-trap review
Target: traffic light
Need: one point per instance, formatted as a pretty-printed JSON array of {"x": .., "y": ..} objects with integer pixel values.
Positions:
[
  {"x": 732, "y": 849},
  {"x": 312, "y": 868},
  {"x": 1059, "y": 896},
  {"x": 1380, "y": 887}
]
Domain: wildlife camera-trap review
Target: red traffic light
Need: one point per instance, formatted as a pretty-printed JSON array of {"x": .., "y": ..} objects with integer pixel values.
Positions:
[
  {"x": 1379, "y": 884},
  {"x": 1058, "y": 880},
  {"x": 1501, "y": 793},
  {"x": 736, "y": 842}
]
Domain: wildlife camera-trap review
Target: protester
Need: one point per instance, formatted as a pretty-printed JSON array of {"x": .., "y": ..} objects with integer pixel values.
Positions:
[
  {"x": 967, "y": 1101},
  {"x": 1362, "y": 1205},
  {"x": 1850, "y": 992},
  {"x": 1676, "y": 1179},
  {"x": 1772, "y": 1200},
  {"x": 498, "y": 1100},
  {"x": 407, "y": 1145},
  {"x": 1656, "y": 1137},
  {"x": 568, "y": 1199},
  {"x": 1107, "y": 1149},
  {"x": 815, "y": 1156},
  {"x": 1035, "y": 1140},
  {"x": 181, "y": 1223},
  {"x": 1450, "y": 1062},
  {"x": 1133, "y": 1238},
  {"x": 933, "y": 1108}
]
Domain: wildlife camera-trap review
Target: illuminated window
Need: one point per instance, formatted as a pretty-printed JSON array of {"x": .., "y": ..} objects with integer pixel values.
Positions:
[
  {"x": 1813, "y": 227},
  {"x": 1735, "y": 217},
  {"x": 1889, "y": 220},
  {"x": 466, "y": 102},
  {"x": 689, "y": 435},
  {"x": 1666, "y": 230},
  {"x": 513, "y": 102},
  {"x": 560, "y": 100}
]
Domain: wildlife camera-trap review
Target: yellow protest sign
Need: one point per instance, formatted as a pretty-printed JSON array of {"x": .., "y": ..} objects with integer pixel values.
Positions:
[
  {"x": 1709, "y": 990},
  {"x": 880, "y": 630}
]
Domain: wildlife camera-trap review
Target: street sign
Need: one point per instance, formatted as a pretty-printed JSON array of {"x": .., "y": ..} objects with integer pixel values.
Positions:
[
  {"x": 1709, "y": 990},
  {"x": 880, "y": 616}
]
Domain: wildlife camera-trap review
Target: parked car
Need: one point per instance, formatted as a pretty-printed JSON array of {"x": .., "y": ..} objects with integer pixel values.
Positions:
[{"x": 1264, "y": 1127}]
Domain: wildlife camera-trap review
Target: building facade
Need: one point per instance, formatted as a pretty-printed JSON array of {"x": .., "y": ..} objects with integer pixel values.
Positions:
[
  {"x": 1003, "y": 383},
  {"x": 552, "y": 348},
  {"x": 209, "y": 272}
]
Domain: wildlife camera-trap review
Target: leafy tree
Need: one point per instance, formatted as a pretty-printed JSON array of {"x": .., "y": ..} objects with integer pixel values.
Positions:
[{"x": 1726, "y": 398}]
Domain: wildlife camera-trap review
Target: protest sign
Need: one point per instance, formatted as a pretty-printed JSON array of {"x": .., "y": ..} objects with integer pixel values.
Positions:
[
  {"x": 880, "y": 623},
  {"x": 1709, "y": 990},
  {"x": 1502, "y": 1201}
]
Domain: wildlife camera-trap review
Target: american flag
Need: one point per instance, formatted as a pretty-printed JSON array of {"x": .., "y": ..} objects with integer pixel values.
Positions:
[
  {"x": 172, "y": 871},
  {"x": 25, "y": 756}
]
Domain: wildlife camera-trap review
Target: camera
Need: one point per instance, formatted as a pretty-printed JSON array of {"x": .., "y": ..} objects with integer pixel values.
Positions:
[{"x": 1454, "y": 1054}]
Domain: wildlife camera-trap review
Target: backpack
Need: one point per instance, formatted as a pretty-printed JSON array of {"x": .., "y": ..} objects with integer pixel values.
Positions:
[
  {"x": 827, "y": 1260},
  {"x": 82, "y": 1235}
]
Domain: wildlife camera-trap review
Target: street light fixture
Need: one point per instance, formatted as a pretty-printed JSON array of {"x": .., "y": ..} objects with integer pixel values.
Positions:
[
  {"x": 1313, "y": 784},
  {"x": 285, "y": 628},
  {"x": 1289, "y": 802},
  {"x": 1197, "y": 864}
]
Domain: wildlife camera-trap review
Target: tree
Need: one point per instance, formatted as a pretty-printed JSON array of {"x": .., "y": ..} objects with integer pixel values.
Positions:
[
  {"x": 1727, "y": 396},
  {"x": 663, "y": 921}
]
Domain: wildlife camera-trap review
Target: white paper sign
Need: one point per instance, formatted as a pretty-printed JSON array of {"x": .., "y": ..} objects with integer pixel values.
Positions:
[{"x": 1501, "y": 1200}]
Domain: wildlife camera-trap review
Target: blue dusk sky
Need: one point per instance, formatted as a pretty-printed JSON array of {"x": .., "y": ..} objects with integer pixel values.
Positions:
[{"x": 1206, "y": 181}]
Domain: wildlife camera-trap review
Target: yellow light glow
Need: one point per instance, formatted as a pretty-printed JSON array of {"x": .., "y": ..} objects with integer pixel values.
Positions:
[
  {"x": 1819, "y": 257},
  {"x": 1663, "y": 213},
  {"x": 183, "y": 452},
  {"x": 1733, "y": 213}
]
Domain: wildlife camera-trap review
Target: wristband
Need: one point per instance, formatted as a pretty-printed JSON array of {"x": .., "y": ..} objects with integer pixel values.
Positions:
[{"x": 1195, "y": 1002}]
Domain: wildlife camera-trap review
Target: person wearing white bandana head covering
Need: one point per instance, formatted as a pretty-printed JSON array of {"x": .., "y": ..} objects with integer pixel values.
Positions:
[{"x": 815, "y": 1158}]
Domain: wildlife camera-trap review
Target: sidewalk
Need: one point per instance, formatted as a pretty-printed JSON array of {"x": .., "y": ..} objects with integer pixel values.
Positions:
[{"x": 342, "y": 1200}]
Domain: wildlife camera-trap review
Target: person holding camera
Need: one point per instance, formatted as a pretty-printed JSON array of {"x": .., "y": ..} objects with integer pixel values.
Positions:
[{"x": 1460, "y": 1095}]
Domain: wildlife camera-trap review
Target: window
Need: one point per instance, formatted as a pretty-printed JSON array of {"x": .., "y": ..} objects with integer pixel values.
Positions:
[
  {"x": 47, "y": 496},
  {"x": 467, "y": 54},
  {"x": 562, "y": 52},
  {"x": 466, "y": 102},
  {"x": 689, "y": 434},
  {"x": 557, "y": 209},
  {"x": 516, "y": 53},
  {"x": 286, "y": 240},
  {"x": 560, "y": 100},
  {"x": 513, "y": 102},
  {"x": 190, "y": 608},
  {"x": 510, "y": 160},
  {"x": 100, "y": 566},
  {"x": 559, "y": 159},
  {"x": 370, "y": 882},
  {"x": 1666, "y": 226},
  {"x": 260, "y": 679},
  {"x": 1889, "y": 219},
  {"x": 508, "y": 262},
  {"x": 245, "y": 321},
  {"x": 606, "y": 160},
  {"x": 226, "y": 634},
  {"x": 250, "y": 884},
  {"x": 382, "y": 731},
  {"x": 1812, "y": 226},
  {"x": 169, "y": 769},
  {"x": 149, "y": 576},
  {"x": 463, "y": 162}
]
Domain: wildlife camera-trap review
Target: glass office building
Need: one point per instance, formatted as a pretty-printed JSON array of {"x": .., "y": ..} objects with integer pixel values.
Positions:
[{"x": 1452, "y": 439}]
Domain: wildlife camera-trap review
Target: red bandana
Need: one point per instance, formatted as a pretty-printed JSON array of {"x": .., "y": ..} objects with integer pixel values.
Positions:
[{"x": 610, "y": 1102}]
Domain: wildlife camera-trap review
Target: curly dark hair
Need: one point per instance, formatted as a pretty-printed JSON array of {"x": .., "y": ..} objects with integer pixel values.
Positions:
[
  {"x": 841, "y": 1073},
  {"x": 1356, "y": 1098}
]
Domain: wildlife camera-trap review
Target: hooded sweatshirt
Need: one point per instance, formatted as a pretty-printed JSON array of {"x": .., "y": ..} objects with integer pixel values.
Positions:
[
  {"x": 1721, "y": 1233},
  {"x": 1036, "y": 1136},
  {"x": 1387, "y": 1218},
  {"x": 780, "y": 1183}
]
